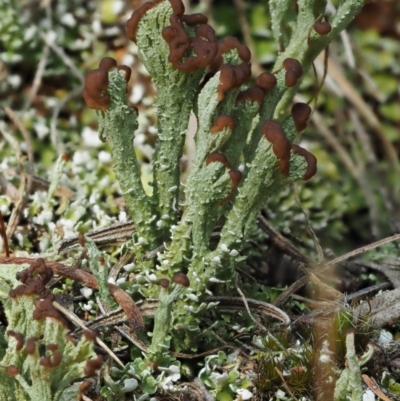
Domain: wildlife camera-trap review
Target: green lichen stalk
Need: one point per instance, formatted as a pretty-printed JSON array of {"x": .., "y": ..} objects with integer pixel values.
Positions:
[
  {"x": 244, "y": 153},
  {"x": 42, "y": 360}
]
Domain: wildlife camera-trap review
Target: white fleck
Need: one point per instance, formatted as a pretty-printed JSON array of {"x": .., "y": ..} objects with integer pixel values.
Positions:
[
  {"x": 141, "y": 241},
  {"x": 192, "y": 297},
  {"x": 111, "y": 280},
  {"x": 244, "y": 394},
  {"x": 137, "y": 93},
  {"x": 219, "y": 379},
  {"x": 104, "y": 157},
  {"x": 233, "y": 252},
  {"x": 91, "y": 138},
  {"x": 14, "y": 80},
  {"x": 128, "y": 59},
  {"x": 165, "y": 262},
  {"x": 121, "y": 281},
  {"x": 152, "y": 277},
  {"x": 117, "y": 6},
  {"x": 87, "y": 306},
  {"x": 41, "y": 129},
  {"x": 280, "y": 395},
  {"x": 86, "y": 292},
  {"x": 172, "y": 189},
  {"x": 68, "y": 19},
  {"x": 241, "y": 168},
  {"x": 224, "y": 248},
  {"x": 216, "y": 259},
  {"x": 384, "y": 337},
  {"x": 324, "y": 358},
  {"x": 122, "y": 217},
  {"x": 368, "y": 396},
  {"x": 81, "y": 157},
  {"x": 216, "y": 280},
  {"x": 129, "y": 385},
  {"x": 159, "y": 223},
  {"x": 129, "y": 267}
]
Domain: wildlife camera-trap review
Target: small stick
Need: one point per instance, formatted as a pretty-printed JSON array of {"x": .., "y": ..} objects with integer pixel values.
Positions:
[{"x": 4, "y": 235}]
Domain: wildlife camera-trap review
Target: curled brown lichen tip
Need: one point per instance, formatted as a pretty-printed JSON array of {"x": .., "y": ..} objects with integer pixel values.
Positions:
[
  {"x": 223, "y": 121},
  {"x": 255, "y": 95},
  {"x": 51, "y": 361},
  {"x": 107, "y": 63},
  {"x": 52, "y": 347},
  {"x": 310, "y": 159},
  {"x": 12, "y": 370},
  {"x": 266, "y": 81},
  {"x": 204, "y": 45},
  {"x": 236, "y": 177},
  {"x": 217, "y": 157},
  {"x": 133, "y": 21},
  {"x": 294, "y": 71},
  {"x": 281, "y": 146},
  {"x": 163, "y": 282},
  {"x": 181, "y": 278},
  {"x": 322, "y": 27},
  {"x": 224, "y": 46},
  {"x": 96, "y": 83},
  {"x": 194, "y": 19},
  {"x": 84, "y": 386},
  {"x": 89, "y": 335},
  {"x": 30, "y": 345},
  {"x": 300, "y": 113},
  {"x": 232, "y": 76},
  {"x": 45, "y": 309},
  {"x": 19, "y": 337},
  {"x": 92, "y": 365}
]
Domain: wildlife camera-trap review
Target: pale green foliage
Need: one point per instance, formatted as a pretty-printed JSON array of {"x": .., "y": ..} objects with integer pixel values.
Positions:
[
  {"x": 209, "y": 199},
  {"x": 35, "y": 381}
]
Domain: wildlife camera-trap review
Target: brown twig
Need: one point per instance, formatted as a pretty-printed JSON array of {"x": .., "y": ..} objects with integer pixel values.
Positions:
[
  {"x": 304, "y": 280},
  {"x": 281, "y": 242},
  {"x": 4, "y": 235},
  {"x": 27, "y": 138},
  {"x": 124, "y": 300},
  {"x": 284, "y": 383}
]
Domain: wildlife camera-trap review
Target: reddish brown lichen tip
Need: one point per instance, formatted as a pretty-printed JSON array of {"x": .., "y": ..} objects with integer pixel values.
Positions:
[
  {"x": 84, "y": 386},
  {"x": 107, "y": 63},
  {"x": 232, "y": 76},
  {"x": 294, "y": 71},
  {"x": 19, "y": 337},
  {"x": 12, "y": 370},
  {"x": 51, "y": 361},
  {"x": 89, "y": 335},
  {"x": 163, "y": 282},
  {"x": 322, "y": 27},
  {"x": 236, "y": 177},
  {"x": 30, "y": 345},
  {"x": 223, "y": 121},
  {"x": 255, "y": 95},
  {"x": 300, "y": 113},
  {"x": 181, "y": 278},
  {"x": 92, "y": 365},
  {"x": 133, "y": 21},
  {"x": 217, "y": 157},
  {"x": 310, "y": 159},
  {"x": 281, "y": 146},
  {"x": 194, "y": 19},
  {"x": 266, "y": 81}
]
